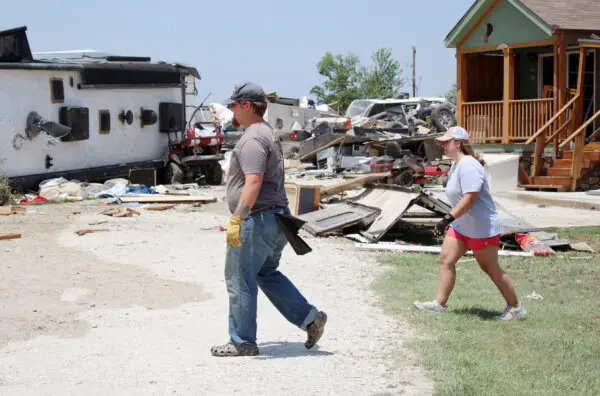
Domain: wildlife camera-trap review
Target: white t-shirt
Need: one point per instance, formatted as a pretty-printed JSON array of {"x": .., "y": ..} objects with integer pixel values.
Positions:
[{"x": 482, "y": 219}]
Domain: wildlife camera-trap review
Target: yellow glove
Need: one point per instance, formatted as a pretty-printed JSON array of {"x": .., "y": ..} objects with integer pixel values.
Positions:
[{"x": 233, "y": 232}]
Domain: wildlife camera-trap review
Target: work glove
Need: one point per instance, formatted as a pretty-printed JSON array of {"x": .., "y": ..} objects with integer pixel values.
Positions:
[
  {"x": 233, "y": 232},
  {"x": 442, "y": 226}
]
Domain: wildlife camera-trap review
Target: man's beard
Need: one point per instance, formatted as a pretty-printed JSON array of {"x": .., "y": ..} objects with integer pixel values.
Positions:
[{"x": 235, "y": 123}]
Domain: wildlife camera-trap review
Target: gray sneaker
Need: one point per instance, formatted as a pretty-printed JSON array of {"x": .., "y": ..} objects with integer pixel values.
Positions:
[
  {"x": 315, "y": 330},
  {"x": 430, "y": 306},
  {"x": 513, "y": 313}
]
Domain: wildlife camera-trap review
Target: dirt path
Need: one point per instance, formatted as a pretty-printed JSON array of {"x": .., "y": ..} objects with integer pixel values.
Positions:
[{"x": 134, "y": 310}]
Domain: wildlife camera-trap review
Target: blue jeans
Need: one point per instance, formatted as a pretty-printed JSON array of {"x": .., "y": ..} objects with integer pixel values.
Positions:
[{"x": 254, "y": 265}]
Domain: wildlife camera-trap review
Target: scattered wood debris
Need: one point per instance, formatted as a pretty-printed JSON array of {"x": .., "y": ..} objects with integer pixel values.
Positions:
[
  {"x": 357, "y": 182},
  {"x": 10, "y": 236},
  {"x": 167, "y": 199},
  {"x": 390, "y": 246},
  {"x": 12, "y": 210},
  {"x": 89, "y": 231},
  {"x": 126, "y": 212},
  {"x": 160, "y": 207}
]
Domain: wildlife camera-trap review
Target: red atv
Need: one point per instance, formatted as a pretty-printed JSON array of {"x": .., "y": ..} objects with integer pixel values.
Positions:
[{"x": 196, "y": 157}]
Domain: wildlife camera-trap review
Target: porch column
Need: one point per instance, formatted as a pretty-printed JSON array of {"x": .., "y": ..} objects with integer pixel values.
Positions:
[
  {"x": 461, "y": 87},
  {"x": 508, "y": 92}
]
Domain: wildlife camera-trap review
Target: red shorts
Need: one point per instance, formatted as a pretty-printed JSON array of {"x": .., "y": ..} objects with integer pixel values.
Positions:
[{"x": 474, "y": 243}]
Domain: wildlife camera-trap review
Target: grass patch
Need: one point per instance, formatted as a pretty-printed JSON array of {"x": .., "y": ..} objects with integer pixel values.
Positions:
[
  {"x": 555, "y": 351},
  {"x": 6, "y": 196}
]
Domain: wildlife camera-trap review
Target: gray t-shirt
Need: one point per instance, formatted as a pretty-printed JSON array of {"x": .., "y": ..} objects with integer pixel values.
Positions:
[
  {"x": 482, "y": 220},
  {"x": 257, "y": 151}
]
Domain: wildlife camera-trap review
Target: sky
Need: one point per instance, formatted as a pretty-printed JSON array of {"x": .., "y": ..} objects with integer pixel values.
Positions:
[{"x": 274, "y": 43}]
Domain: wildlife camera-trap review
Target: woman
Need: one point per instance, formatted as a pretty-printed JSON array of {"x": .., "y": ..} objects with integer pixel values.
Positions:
[{"x": 472, "y": 224}]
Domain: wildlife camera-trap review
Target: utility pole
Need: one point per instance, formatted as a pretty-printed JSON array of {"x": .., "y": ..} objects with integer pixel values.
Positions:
[{"x": 414, "y": 71}]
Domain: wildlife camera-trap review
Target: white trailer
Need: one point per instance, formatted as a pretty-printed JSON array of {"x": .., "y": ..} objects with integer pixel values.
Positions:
[{"x": 117, "y": 112}]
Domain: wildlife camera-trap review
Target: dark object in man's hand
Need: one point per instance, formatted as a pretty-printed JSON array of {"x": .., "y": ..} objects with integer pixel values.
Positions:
[
  {"x": 290, "y": 225},
  {"x": 442, "y": 226}
]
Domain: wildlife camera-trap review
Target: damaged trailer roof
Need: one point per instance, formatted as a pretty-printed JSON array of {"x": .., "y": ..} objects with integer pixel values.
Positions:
[{"x": 15, "y": 53}]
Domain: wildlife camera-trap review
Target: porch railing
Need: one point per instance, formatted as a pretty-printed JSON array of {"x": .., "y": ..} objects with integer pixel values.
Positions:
[
  {"x": 483, "y": 120},
  {"x": 527, "y": 116}
]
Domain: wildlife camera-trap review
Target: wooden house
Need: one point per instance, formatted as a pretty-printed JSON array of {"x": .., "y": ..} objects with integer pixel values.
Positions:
[{"x": 528, "y": 79}]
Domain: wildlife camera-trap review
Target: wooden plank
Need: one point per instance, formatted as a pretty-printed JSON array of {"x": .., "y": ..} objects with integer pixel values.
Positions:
[
  {"x": 359, "y": 181},
  {"x": 461, "y": 86},
  {"x": 500, "y": 47},
  {"x": 9, "y": 236},
  {"x": 552, "y": 180},
  {"x": 332, "y": 143},
  {"x": 530, "y": 44},
  {"x": 523, "y": 176},
  {"x": 159, "y": 207},
  {"x": 562, "y": 87},
  {"x": 508, "y": 92},
  {"x": 166, "y": 198}
]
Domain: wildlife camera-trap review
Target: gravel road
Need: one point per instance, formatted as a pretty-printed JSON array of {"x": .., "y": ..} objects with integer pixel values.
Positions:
[{"x": 135, "y": 309}]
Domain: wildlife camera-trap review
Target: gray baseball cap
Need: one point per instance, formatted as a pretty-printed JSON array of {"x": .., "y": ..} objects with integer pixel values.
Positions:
[{"x": 246, "y": 92}]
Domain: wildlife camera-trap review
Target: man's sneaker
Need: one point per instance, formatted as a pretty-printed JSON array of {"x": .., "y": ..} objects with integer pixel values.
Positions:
[
  {"x": 315, "y": 330},
  {"x": 513, "y": 313},
  {"x": 430, "y": 306}
]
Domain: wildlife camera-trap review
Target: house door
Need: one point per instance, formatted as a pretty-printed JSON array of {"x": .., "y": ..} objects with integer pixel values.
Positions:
[
  {"x": 589, "y": 78},
  {"x": 546, "y": 76}
]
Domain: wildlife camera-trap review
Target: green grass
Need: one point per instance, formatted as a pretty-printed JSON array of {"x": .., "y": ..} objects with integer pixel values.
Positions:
[
  {"x": 6, "y": 195},
  {"x": 555, "y": 351}
]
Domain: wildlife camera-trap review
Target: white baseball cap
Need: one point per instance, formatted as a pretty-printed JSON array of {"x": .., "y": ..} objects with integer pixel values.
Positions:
[{"x": 455, "y": 132}]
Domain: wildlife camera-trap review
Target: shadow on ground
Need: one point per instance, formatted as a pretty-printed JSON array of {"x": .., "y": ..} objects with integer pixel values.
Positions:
[
  {"x": 482, "y": 313},
  {"x": 282, "y": 350}
]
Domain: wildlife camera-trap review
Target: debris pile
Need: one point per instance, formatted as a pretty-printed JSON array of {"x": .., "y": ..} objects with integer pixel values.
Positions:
[
  {"x": 382, "y": 216},
  {"x": 117, "y": 191}
]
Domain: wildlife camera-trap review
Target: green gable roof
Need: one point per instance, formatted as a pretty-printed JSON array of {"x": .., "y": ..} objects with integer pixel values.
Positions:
[{"x": 478, "y": 10}]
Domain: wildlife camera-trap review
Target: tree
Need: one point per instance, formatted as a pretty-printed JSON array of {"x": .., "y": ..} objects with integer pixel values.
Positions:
[
  {"x": 343, "y": 79},
  {"x": 346, "y": 80},
  {"x": 451, "y": 94},
  {"x": 383, "y": 79}
]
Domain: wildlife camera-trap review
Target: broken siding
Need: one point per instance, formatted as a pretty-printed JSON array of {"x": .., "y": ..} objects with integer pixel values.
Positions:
[{"x": 510, "y": 26}]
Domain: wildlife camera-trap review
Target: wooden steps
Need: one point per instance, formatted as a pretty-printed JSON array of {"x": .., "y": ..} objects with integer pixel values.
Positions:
[
  {"x": 544, "y": 187},
  {"x": 566, "y": 163},
  {"x": 552, "y": 180},
  {"x": 587, "y": 155},
  {"x": 563, "y": 171},
  {"x": 558, "y": 176}
]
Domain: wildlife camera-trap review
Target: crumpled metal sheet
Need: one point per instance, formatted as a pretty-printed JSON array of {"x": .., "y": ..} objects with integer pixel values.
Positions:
[
  {"x": 337, "y": 216},
  {"x": 392, "y": 203}
]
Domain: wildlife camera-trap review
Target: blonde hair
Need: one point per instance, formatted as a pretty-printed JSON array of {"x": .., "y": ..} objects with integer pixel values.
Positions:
[{"x": 467, "y": 149}]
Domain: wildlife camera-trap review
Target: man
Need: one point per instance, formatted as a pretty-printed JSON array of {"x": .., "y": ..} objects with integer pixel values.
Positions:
[{"x": 255, "y": 195}]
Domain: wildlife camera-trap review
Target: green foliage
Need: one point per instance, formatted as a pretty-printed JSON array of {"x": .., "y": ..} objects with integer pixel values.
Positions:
[
  {"x": 451, "y": 94},
  {"x": 383, "y": 79},
  {"x": 346, "y": 80},
  {"x": 6, "y": 196}
]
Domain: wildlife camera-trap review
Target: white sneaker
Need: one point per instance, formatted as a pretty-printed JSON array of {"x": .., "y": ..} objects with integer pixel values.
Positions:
[
  {"x": 430, "y": 306},
  {"x": 513, "y": 313}
]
